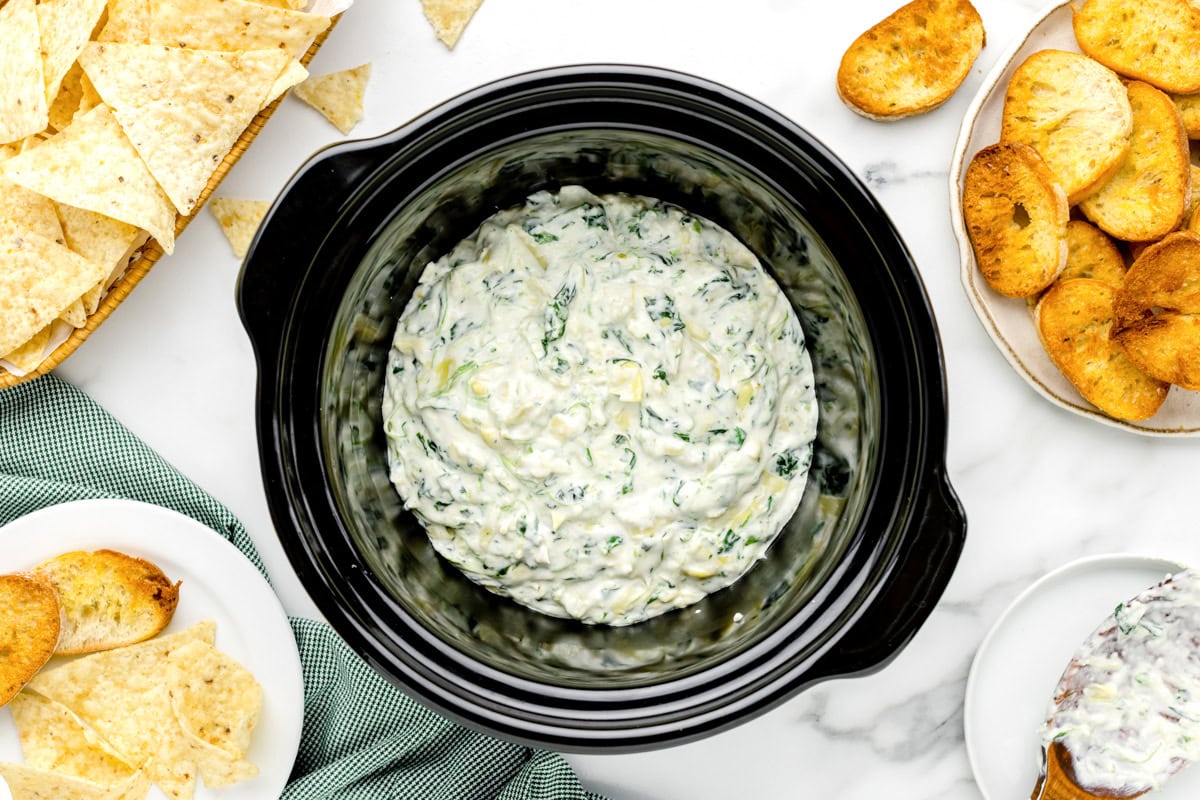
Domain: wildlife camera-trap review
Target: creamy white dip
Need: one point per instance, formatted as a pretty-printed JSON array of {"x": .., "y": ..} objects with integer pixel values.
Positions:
[
  {"x": 1128, "y": 706},
  {"x": 601, "y": 407}
]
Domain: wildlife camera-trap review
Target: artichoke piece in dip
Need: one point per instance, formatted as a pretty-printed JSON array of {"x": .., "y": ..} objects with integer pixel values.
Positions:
[{"x": 600, "y": 406}]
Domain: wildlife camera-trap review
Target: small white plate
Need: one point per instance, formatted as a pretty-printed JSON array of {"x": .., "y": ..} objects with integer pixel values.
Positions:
[
  {"x": 1007, "y": 320},
  {"x": 1018, "y": 665},
  {"x": 218, "y": 583}
]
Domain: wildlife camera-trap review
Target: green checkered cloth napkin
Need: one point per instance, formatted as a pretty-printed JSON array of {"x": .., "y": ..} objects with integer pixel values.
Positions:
[{"x": 362, "y": 737}]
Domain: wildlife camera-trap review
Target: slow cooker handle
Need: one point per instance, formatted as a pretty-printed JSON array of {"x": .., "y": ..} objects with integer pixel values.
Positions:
[
  {"x": 910, "y": 592},
  {"x": 281, "y": 254}
]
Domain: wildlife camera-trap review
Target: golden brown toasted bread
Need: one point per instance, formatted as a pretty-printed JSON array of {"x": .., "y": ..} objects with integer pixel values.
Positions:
[
  {"x": 1189, "y": 109},
  {"x": 1156, "y": 313},
  {"x": 1073, "y": 319},
  {"x": 1157, "y": 41},
  {"x": 1074, "y": 112},
  {"x": 30, "y": 621},
  {"x": 912, "y": 61},
  {"x": 109, "y": 599},
  {"x": 1194, "y": 196},
  {"x": 1016, "y": 217},
  {"x": 1091, "y": 253},
  {"x": 1146, "y": 198}
]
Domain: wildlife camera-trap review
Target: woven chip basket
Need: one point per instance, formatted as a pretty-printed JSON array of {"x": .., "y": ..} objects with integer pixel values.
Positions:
[{"x": 149, "y": 254}]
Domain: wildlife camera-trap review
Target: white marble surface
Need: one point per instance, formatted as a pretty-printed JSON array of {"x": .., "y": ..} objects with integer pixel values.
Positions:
[{"x": 1040, "y": 486}]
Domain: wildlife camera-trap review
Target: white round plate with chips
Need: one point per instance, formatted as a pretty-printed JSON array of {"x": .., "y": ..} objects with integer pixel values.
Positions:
[
  {"x": 1009, "y": 321},
  {"x": 1020, "y": 661},
  {"x": 218, "y": 583}
]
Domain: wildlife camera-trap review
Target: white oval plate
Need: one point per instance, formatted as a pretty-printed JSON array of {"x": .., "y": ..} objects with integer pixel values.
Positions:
[
  {"x": 1008, "y": 320},
  {"x": 1017, "y": 667},
  {"x": 218, "y": 583}
]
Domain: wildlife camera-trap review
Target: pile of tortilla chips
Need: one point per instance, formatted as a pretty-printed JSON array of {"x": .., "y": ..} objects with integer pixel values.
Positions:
[
  {"x": 110, "y": 724},
  {"x": 114, "y": 116}
]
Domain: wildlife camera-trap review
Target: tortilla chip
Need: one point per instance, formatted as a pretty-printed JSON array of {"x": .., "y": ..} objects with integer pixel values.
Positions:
[
  {"x": 449, "y": 18},
  {"x": 215, "y": 698},
  {"x": 232, "y": 25},
  {"x": 40, "y": 278},
  {"x": 55, "y": 739},
  {"x": 27, "y": 357},
  {"x": 65, "y": 26},
  {"x": 239, "y": 220},
  {"x": 30, "y": 142},
  {"x": 23, "y": 107},
  {"x": 92, "y": 165},
  {"x": 68, "y": 99},
  {"x": 295, "y": 5},
  {"x": 217, "y": 768},
  {"x": 136, "y": 788},
  {"x": 92, "y": 297},
  {"x": 29, "y": 783},
  {"x": 74, "y": 314},
  {"x": 21, "y": 209},
  {"x": 338, "y": 95},
  {"x": 128, "y": 21},
  {"x": 183, "y": 110},
  {"x": 101, "y": 239},
  {"x": 292, "y": 74},
  {"x": 121, "y": 694}
]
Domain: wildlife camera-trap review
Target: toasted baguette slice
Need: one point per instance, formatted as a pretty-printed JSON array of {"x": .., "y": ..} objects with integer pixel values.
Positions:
[
  {"x": 1148, "y": 195},
  {"x": 912, "y": 61},
  {"x": 1194, "y": 197},
  {"x": 1016, "y": 217},
  {"x": 1091, "y": 253},
  {"x": 1156, "y": 314},
  {"x": 1157, "y": 41},
  {"x": 110, "y": 599},
  {"x": 30, "y": 623},
  {"x": 1194, "y": 214},
  {"x": 1074, "y": 112},
  {"x": 1073, "y": 320},
  {"x": 1189, "y": 109}
]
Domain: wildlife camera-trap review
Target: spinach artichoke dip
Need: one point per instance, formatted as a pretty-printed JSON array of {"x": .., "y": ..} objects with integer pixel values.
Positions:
[{"x": 600, "y": 406}]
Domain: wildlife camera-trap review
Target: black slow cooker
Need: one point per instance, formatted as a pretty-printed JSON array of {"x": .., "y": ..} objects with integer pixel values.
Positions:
[{"x": 856, "y": 571}]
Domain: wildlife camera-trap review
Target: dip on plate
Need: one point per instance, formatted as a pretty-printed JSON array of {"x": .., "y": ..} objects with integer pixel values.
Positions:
[{"x": 600, "y": 406}]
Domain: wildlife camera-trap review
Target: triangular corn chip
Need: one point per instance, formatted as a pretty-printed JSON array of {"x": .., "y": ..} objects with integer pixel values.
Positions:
[
  {"x": 54, "y": 738},
  {"x": 92, "y": 165},
  {"x": 23, "y": 209},
  {"x": 68, "y": 99},
  {"x": 232, "y": 25},
  {"x": 28, "y": 783},
  {"x": 97, "y": 237},
  {"x": 40, "y": 278},
  {"x": 449, "y": 17},
  {"x": 128, "y": 21},
  {"x": 91, "y": 298},
  {"x": 28, "y": 355},
  {"x": 183, "y": 110},
  {"x": 215, "y": 699},
  {"x": 23, "y": 107},
  {"x": 338, "y": 95},
  {"x": 65, "y": 27},
  {"x": 103, "y": 240},
  {"x": 239, "y": 220},
  {"x": 74, "y": 315},
  {"x": 292, "y": 74}
]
